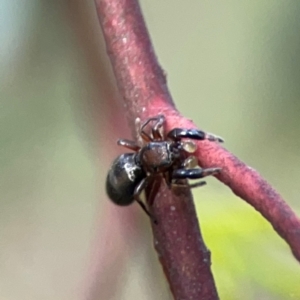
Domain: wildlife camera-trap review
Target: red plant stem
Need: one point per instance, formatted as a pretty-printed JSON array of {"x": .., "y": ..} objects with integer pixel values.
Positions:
[
  {"x": 247, "y": 183},
  {"x": 141, "y": 81},
  {"x": 142, "y": 84}
]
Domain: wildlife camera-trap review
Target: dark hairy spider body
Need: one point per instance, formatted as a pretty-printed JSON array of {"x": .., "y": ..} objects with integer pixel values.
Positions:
[
  {"x": 168, "y": 157},
  {"x": 125, "y": 174}
]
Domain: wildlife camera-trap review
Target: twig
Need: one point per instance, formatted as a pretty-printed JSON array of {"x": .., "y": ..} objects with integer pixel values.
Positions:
[{"x": 142, "y": 83}]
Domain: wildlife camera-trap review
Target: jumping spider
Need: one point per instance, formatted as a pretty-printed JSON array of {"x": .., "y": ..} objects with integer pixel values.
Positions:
[{"x": 158, "y": 156}]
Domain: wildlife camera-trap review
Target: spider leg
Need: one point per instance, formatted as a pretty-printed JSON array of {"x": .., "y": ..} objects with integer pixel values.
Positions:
[
  {"x": 155, "y": 185},
  {"x": 160, "y": 119},
  {"x": 191, "y": 186},
  {"x": 137, "y": 193},
  {"x": 128, "y": 144},
  {"x": 145, "y": 136},
  {"x": 178, "y": 133},
  {"x": 156, "y": 129},
  {"x": 168, "y": 178},
  {"x": 194, "y": 173}
]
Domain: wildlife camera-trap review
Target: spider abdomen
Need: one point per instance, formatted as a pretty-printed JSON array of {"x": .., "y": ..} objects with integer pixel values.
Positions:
[{"x": 122, "y": 178}]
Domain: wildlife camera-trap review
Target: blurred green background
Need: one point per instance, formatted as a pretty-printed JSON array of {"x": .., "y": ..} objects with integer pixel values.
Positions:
[{"x": 233, "y": 67}]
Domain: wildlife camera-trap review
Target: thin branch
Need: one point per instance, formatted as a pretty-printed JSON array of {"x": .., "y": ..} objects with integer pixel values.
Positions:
[
  {"x": 142, "y": 84},
  {"x": 247, "y": 183}
]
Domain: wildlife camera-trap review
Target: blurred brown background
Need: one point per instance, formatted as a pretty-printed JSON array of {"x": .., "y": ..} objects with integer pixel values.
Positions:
[{"x": 233, "y": 67}]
